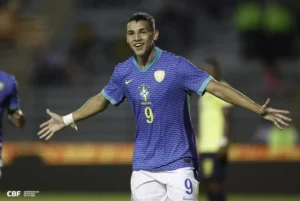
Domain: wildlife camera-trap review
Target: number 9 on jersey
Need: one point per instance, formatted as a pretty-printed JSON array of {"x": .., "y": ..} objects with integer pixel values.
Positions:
[{"x": 149, "y": 115}]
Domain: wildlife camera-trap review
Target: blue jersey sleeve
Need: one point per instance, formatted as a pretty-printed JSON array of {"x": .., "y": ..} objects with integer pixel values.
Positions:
[
  {"x": 113, "y": 92},
  {"x": 13, "y": 99},
  {"x": 192, "y": 78}
]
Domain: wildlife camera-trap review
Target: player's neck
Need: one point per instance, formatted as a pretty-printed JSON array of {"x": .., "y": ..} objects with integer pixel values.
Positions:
[{"x": 147, "y": 58}]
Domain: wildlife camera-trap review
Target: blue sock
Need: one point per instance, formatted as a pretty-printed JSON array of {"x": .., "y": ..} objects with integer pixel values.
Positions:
[{"x": 220, "y": 196}]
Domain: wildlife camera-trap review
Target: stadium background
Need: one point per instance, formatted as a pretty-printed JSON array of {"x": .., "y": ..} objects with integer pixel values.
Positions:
[{"x": 87, "y": 39}]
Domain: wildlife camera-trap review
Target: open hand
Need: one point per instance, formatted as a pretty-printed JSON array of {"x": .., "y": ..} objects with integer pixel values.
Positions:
[
  {"x": 49, "y": 128},
  {"x": 277, "y": 117}
]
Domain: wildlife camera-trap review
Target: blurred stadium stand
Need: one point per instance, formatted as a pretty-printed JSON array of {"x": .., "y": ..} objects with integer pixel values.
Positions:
[
  {"x": 215, "y": 36},
  {"x": 212, "y": 39}
]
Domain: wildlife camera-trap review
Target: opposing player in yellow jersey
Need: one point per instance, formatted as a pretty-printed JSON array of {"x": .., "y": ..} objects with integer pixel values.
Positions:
[{"x": 213, "y": 138}]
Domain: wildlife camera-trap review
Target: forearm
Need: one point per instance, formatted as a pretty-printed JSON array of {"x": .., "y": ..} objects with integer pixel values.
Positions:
[
  {"x": 94, "y": 105},
  {"x": 234, "y": 97}
]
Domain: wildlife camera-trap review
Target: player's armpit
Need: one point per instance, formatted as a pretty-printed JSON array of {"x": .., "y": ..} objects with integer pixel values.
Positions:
[{"x": 17, "y": 118}]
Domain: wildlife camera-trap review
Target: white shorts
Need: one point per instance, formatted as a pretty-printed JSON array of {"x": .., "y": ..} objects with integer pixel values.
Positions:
[{"x": 172, "y": 185}]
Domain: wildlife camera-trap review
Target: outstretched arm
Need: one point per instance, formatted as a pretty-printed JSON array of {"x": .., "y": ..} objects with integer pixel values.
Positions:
[
  {"x": 94, "y": 105},
  {"x": 232, "y": 96}
]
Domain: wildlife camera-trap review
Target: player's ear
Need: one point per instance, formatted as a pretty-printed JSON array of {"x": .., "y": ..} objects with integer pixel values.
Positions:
[{"x": 155, "y": 34}]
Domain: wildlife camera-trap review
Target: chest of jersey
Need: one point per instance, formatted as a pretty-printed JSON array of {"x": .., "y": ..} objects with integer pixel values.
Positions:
[{"x": 146, "y": 88}]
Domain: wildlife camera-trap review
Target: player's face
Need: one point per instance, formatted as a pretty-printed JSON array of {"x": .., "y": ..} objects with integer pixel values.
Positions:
[{"x": 140, "y": 37}]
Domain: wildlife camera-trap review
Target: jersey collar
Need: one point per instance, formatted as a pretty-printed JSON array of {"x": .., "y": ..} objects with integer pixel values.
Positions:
[{"x": 157, "y": 55}]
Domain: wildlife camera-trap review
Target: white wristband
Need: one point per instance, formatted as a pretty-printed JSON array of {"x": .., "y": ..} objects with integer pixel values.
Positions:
[
  {"x": 69, "y": 121},
  {"x": 223, "y": 141}
]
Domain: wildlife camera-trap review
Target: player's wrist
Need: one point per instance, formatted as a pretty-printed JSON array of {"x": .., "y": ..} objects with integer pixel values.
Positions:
[{"x": 69, "y": 121}]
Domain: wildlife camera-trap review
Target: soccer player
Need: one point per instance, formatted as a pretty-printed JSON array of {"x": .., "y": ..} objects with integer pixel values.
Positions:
[
  {"x": 156, "y": 83},
  {"x": 9, "y": 100},
  {"x": 213, "y": 138}
]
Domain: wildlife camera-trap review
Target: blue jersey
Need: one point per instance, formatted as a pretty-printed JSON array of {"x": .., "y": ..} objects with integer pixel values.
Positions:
[
  {"x": 8, "y": 99},
  {"x": 158, "y": 95}
]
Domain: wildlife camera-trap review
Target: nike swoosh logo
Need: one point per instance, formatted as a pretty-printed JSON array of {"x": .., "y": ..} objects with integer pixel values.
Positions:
[{"x": 128, "y": 81}]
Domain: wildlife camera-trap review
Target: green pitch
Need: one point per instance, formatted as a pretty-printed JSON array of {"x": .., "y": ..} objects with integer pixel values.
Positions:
[{"x": 123, "y": 197}]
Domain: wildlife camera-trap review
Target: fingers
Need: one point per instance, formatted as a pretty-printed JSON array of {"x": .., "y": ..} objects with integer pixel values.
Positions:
[
  {"x": 48, "y": 132},
  {"x": 47, "y": 122},
  {"x": 283, "y": 117},
  {"x": 48, "y": 112},
  {"x": 43, "y": 130},
  {"x": 278, "y": 120},
  {"x": 277, "y": 125},
  {"x": 272, "y": 110},
  {"x": 266, "y": 103},
  {"x": 44, "y": 124},
  {"x": 49, "y": 136},
  {"x": 264, "y": 107}
]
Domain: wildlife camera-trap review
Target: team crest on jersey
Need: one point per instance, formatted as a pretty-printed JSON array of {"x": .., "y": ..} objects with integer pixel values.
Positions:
[
  {"x": 2, "y": 86},
  {"x": 144, "y": 91},
  {"x": 159, "y": 75}
]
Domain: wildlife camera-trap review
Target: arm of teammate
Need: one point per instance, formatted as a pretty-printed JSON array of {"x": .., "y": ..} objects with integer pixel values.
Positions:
[
  {"x": 15, "y": 114},
  {"x": 234, "y": 97},
  {"x": 94, "y": 105}
]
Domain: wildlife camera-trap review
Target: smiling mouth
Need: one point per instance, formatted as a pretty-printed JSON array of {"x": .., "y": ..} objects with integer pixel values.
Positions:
[{"x": 138, "y": 46}]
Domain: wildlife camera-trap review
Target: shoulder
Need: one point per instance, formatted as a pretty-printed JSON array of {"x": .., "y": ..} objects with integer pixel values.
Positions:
[
  {"x": 170, "y": 57},
  {"x": 7, "y": 78},
  {"x": 172, "y": 60},
  {"x": 122, "y": 69},
  {"x": 125, "y": 65},
  {"x": 7, "y": 81},
  {"x": 175, "y": 59}
]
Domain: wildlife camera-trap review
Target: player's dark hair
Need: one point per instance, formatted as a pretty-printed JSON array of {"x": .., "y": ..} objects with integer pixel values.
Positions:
[
  {"x": 144, "y": 17},
  {"x": 213, "y": 62}
]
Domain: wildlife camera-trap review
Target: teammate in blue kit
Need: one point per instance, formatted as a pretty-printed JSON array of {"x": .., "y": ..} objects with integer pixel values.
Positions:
[
  {"x": 9, "y": 100},
  {"x": 157, "y": 85}
]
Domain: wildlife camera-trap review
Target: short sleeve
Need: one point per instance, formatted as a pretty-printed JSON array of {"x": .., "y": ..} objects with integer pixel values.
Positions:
[
  {"x": 192, "y": 78},
  {"x": 13, "y": 101},
  {"x": 113, "y": 91}
]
